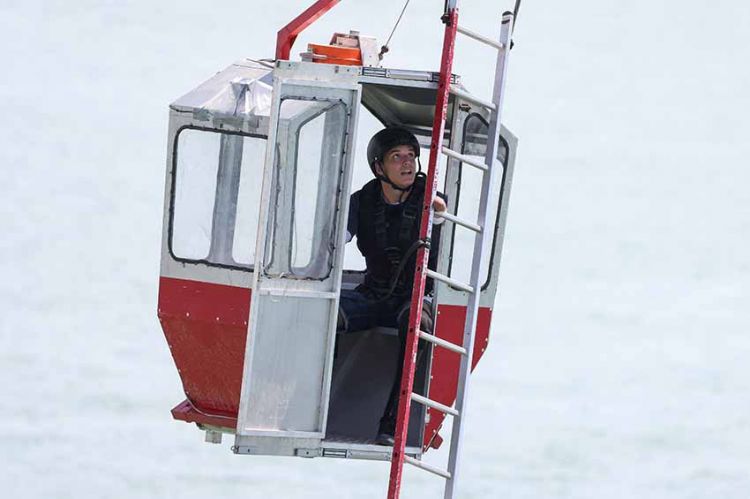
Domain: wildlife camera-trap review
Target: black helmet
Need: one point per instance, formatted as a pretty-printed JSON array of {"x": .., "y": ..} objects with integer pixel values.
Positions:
[{"x": 385, "y": 140}]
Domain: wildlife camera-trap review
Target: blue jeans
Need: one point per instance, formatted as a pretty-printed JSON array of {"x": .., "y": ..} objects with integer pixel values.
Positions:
[{"x": 360, "y": 312}]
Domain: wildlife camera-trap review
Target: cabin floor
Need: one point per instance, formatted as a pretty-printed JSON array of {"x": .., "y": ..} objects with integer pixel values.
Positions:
[{"x": 363, "y": 373}]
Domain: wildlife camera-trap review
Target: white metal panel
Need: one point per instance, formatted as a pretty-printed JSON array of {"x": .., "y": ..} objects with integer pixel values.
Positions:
[
  {"x": 216, "y": 94},
  {"x": 289, "y": 357}
]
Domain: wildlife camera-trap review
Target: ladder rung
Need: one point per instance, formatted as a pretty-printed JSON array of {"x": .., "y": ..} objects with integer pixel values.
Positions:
[
  {"x": 441, "y": 342},
  {"x": 465, "y": 159},
  {"x": 458, "y": 221},
  {"x": 435, "y": 405},
  {"x": 467, "y": 96},
  {"x": 449, "y": 281},
  {"x": 427, "y": 467},
  {"x": 480, "y": 38}
]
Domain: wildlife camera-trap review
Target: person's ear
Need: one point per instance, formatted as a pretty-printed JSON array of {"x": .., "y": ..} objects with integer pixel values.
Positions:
[{"x": 379, "y": 168}]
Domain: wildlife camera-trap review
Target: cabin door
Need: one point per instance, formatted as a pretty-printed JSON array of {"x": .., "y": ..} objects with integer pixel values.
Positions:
[{"x": 297, "y": 278}]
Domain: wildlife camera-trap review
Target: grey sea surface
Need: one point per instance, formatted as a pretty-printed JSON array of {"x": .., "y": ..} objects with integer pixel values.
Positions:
[{"x": 619, "y": 363}]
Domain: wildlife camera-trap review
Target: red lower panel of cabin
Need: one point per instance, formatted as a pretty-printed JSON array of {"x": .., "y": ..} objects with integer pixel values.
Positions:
[
  {"x": 206, "y": 328},
  {"x": 445, "y": 364}
]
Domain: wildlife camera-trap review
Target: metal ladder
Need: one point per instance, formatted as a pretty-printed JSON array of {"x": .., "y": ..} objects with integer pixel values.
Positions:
[{"x": 473, "y": 287}]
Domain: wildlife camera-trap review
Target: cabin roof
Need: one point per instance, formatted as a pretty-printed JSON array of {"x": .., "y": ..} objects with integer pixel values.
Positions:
[{"x": 395, "y": 97}]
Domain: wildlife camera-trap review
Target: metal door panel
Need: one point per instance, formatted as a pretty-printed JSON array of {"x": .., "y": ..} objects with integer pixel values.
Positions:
[
  {"x": 288, "y": 360},
  {"x": 285, "y": 346}
]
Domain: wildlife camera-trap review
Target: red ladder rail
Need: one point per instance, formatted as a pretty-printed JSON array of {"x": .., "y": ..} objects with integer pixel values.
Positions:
[{"x": 407, "y": 378}]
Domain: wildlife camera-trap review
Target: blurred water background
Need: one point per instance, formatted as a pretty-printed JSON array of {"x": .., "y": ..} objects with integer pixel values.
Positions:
[{"x": 619, "y": 364}]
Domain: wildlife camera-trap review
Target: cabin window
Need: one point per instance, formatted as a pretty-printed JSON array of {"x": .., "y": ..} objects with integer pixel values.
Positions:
[
  {"x": 467, "y": 203},
  {"x": 216, "y": 195},
  {"x": 309, "y": 154}
]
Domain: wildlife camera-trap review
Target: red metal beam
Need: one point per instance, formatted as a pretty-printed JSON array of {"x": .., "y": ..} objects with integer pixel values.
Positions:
[{"x": 288, "y": 34}]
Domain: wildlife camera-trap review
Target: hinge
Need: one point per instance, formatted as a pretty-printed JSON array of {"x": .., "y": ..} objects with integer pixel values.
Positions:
[{"x": 335, "y": 453}]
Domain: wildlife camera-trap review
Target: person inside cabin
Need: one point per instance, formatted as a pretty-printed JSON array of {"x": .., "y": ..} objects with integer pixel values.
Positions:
[{"x": 385, "y": 216}]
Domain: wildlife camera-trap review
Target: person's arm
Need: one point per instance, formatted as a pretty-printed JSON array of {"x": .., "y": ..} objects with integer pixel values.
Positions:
[
  {"x": 353, "y": 222},
  {"x": 440, "y": 205}
]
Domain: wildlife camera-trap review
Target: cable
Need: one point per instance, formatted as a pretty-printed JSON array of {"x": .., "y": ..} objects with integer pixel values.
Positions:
[
  {"x": 407, "y": 255},
  {"x": 384, "y": 49},
  {"x": 515, "y": 14}
]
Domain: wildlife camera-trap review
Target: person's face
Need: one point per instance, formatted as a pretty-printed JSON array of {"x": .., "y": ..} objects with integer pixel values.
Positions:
[{"x": 399, "y": 165}]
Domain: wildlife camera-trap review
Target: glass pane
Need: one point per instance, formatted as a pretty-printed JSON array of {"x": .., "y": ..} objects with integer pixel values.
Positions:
[
  {"x": 309, "y": 162},
  {"x": 217, "y": 195},
  {"x": 248, "y": 200},
  {"x": 470, "y": 184},
  {"x": 196, "y": 168},
  {"x": 310, "y": 139}
]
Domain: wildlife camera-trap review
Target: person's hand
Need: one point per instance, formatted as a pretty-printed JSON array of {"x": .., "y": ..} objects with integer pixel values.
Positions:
[{"x": 438, "y": 204}]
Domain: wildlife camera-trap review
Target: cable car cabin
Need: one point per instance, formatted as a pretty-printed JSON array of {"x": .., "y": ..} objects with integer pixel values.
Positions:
[{"x": 259, "y": 173}]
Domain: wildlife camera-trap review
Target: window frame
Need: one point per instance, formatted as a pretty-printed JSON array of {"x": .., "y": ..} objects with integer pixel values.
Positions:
[
  {"x": 506, "y": 146},
  {"x": 347, "y": 116}
]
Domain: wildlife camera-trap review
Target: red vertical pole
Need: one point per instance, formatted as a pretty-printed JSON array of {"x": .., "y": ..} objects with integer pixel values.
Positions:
[{"x": 415, "y": 314}]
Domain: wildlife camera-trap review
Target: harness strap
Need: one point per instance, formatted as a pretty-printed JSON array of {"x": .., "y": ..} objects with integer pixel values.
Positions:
[
  {"x": 400, "y": 251},
  {"x": 411, "y": 211}
]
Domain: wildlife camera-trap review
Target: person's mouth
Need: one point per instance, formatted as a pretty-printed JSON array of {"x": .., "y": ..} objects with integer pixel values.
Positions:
[{"x": 407, "y": 173}]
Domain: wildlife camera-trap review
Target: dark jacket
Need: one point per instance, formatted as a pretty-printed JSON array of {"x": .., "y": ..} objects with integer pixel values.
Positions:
[{"x": 386, "y": 235}]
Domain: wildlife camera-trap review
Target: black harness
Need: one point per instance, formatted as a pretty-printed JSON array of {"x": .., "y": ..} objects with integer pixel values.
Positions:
[{"x": 384, "y": 255}]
